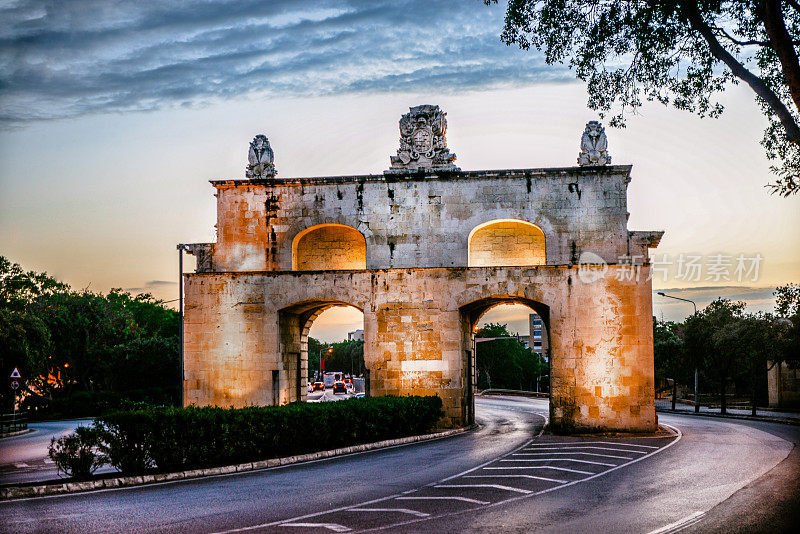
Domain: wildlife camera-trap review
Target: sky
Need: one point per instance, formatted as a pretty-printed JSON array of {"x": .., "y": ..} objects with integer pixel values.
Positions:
[{"x": 115, "y": 115}]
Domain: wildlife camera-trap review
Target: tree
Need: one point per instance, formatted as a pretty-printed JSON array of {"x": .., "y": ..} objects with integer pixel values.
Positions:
[
  {"x": 669, "y": 355},
  {"x": 678, "y": 52},
  {"x": 19, "y": 288},
  {"x": 506, "y": 363},
  {"x": 25, "y": 345},
  {"x": 787, "y": 300},
  {"x": 710, "y": 337}
]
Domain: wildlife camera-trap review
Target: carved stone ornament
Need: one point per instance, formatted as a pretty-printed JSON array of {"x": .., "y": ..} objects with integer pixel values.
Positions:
[
  {"x": 422, "y": 141},
  {"x": 594, "y": 145},
  {"x": 260, "y": 159}
]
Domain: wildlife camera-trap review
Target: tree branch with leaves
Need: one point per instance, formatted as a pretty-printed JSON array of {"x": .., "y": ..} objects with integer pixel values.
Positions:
[{"x": 676, "y": 52}]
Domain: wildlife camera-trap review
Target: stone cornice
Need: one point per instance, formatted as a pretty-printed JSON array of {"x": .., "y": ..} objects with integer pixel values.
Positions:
[{"x": 394, "y": 177}]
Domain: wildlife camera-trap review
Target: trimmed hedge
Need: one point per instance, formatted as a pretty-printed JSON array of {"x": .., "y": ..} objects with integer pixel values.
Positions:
[{"x": 175, "y": 439}]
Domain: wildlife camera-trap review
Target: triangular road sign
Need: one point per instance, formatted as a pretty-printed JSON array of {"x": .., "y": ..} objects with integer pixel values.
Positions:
[{"x": 15, "y": 373}]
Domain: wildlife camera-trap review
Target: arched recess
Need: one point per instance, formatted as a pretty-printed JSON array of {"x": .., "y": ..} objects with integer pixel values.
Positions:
[
  {"x": 506, "y": 243},
  {"x": 294, "y": 324},
  {"x": 329, "y": 247},
  {"x": 470, "y": 315}
]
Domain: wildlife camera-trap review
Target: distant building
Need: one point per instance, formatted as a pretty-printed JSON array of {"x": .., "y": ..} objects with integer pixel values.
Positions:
[
  {"x": 783, "y": 384},
  {"x": 535, "y": 331},
  {"x": 357, "y": 335}
]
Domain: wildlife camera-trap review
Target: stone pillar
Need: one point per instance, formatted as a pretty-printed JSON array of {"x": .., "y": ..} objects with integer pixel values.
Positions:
[{"x": 602, "y": 356}]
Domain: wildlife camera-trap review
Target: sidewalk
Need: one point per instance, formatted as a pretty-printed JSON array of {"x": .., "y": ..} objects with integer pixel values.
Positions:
[{"x": 763, "y": 414}]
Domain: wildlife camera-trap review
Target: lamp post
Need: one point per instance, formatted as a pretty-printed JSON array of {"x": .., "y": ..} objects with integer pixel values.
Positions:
[
  {"x": 181, "y": 247},
  {"x": 696, "y": 389}
]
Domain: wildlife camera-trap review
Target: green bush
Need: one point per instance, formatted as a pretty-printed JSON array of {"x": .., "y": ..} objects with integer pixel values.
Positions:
[
  {"x": 172, "y": 439},
  {"x": 78, "y": 454}
]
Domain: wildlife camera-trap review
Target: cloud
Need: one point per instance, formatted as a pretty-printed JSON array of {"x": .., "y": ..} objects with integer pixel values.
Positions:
[
  {"x": 756, "y": 298},
  {"x": 157, "y": 283},
  {"x": 65, "y": 59}
]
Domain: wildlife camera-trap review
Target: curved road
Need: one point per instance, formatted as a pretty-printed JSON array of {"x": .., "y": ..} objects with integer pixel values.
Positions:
[{"x": 708, "y": 475}]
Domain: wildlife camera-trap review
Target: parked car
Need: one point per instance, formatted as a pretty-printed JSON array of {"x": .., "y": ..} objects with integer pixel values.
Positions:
[
  {"x": 339, "y": 387},
  {"x": 310, "y": 387}
]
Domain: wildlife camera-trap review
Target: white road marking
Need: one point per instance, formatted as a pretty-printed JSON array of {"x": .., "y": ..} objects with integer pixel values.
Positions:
[
  {"x": 401, "y": 510},
  {"x": 496, "y": 486},
  {"x": 559, "y": 460},
  {"x": 519, "y": 476},
  {"x": 545, "y": 467},
  {"x": 573, "y": 448},
  {"x": 680, "y": 524},
  {"x": 21, "y": 465},
  {"x": 593, "y": 443},
  {"x": 677, "y": 437},
  {"x": 452, "y": 498},
  {"x": 578, "y": 452},
  {"x": 330, "y": 526}
]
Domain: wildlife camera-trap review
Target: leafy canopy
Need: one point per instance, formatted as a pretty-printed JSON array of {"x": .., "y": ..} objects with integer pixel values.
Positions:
[{"x": 677, "y": 52}]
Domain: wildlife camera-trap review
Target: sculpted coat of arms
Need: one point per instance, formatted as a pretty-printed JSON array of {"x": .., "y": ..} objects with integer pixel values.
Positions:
[
  {"x": 260, "y": 158},
  {"x": 422, "y": 141},
  {"x": 594, "y": 146}
]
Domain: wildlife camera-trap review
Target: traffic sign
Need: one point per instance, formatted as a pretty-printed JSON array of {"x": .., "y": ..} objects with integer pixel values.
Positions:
[
  {"x": 14, "y": 384},
  {"x": 15, "y": 373}
]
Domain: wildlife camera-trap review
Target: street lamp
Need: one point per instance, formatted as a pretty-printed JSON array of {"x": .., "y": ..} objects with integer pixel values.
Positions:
[
  {"x": 696, "y": 389},
  {"x": 181, "y": 247}
]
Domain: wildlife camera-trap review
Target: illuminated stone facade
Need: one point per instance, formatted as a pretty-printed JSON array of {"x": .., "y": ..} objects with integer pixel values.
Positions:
[{"x": 414, "y": 251}]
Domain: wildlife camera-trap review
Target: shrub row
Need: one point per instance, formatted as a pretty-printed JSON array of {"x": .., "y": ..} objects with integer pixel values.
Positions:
[{"x": 174, "y": 439}]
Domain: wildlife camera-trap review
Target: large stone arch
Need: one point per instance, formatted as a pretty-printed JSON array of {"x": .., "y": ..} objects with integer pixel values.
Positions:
[
  {"x": 294, "y": 324},
  {"x": 329, "y": 247},
  {"x": 506, "y": 243},
  {"x": 469, "y": 315}
]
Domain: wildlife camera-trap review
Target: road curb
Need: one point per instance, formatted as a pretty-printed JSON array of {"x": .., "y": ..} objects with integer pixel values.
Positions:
[
  {"x": 22, "y": 492},
  {"x": 17, "y": 433},
  {"x": 763, "y": 418}
]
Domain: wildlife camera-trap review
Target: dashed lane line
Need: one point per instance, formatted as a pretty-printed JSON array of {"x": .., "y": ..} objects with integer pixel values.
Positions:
[
  {"x": 399, "y": 510},
  {"x": 519, "y": 476},
  {"x": 495, "y": 486},
  {"x": 559, "y": 460},
  {"x": 675, "y": 439},
  {"x": 593, "y": 443},
  {"x": 440, "y": 498},
  {"x": 330, "y": 526},
  {"x": 566, "y": 469},
  {"x": 680, "y": 524},
  {"x": 590, "y": 447},
  {"x": 583, "y": 453}
]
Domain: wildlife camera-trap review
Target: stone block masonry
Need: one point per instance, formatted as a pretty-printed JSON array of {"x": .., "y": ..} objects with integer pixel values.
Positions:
[{"x": 424, "y": 252}]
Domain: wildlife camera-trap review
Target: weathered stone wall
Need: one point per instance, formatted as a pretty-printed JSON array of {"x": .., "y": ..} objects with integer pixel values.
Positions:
[
  {"x": 240, "y": 327},
  {"x": 507, "y": 243},
  {"x": 397, "y": 246},
  {"x": 330, "y": 247},
  {"x": 414, "y": 220}
]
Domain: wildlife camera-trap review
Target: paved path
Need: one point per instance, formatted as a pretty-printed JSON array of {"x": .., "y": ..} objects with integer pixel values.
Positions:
[{"x": 503, "y": 478}]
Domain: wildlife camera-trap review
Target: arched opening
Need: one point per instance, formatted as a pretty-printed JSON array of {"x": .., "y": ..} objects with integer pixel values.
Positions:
[
  {"x": 306, "y": 360},
  {"x": 495, "y": 356},
  {"x": 506, "y": 243},
  {"x": 329, "y": 247}
]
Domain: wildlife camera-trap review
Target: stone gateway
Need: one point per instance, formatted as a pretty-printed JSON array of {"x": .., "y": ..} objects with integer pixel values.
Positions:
[{"x": 423, "y": 250}]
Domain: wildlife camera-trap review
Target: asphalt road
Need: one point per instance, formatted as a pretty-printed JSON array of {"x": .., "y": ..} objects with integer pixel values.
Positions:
[
  {"x": 712, "y": 474},
  {"x": 24, "y": 458}
]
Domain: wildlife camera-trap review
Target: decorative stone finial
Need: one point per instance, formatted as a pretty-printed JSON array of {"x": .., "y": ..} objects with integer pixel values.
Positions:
[
  {"x": 594, "y": 145},
  {"x": 260, "y": 159},
  {"x": 422, "y": 141}
]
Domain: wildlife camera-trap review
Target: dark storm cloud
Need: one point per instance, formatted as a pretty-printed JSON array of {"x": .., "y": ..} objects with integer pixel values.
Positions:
[{"x": 62, "y": 59}]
